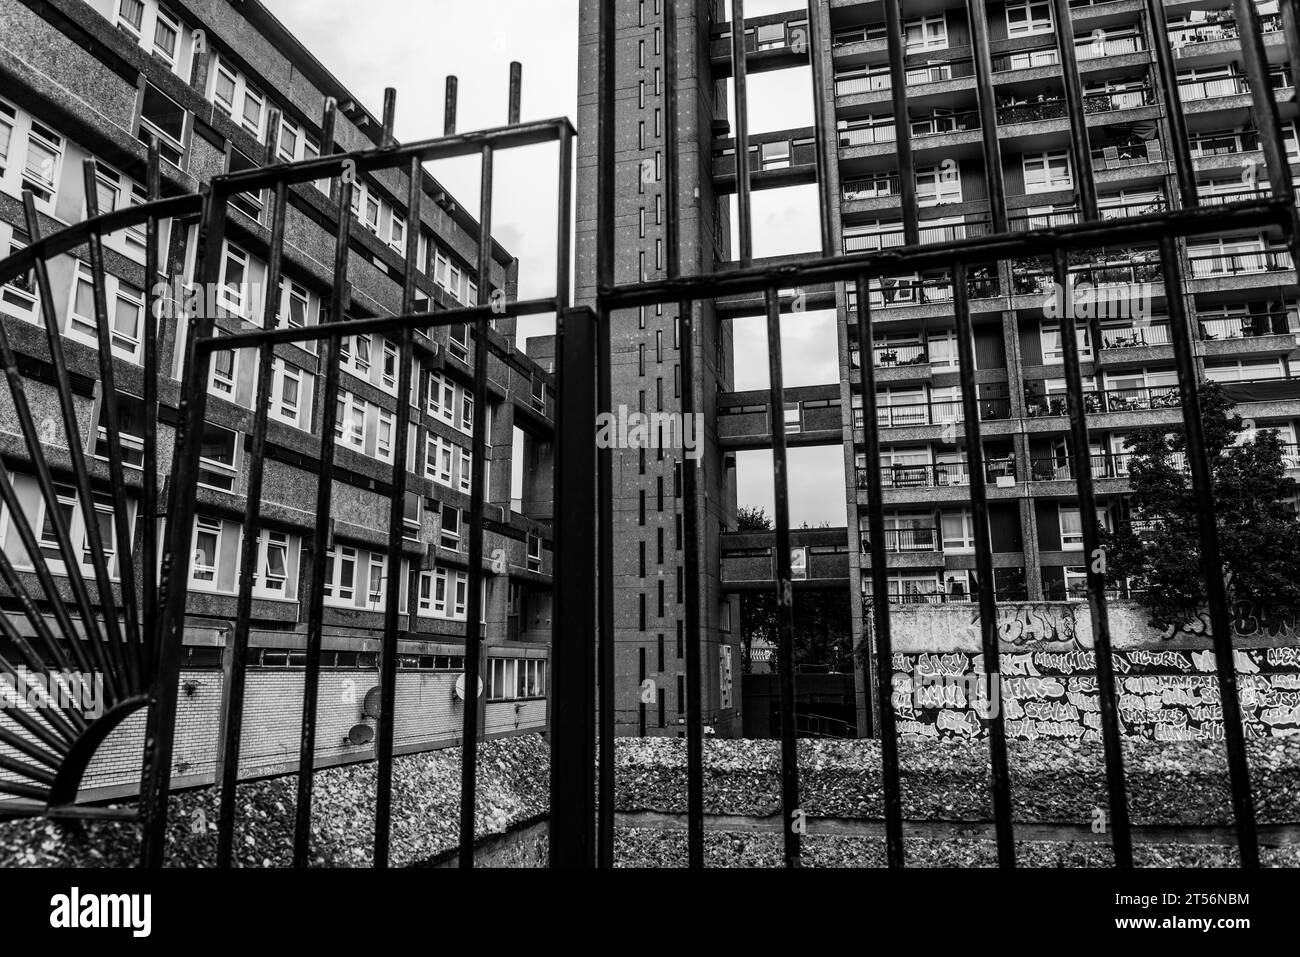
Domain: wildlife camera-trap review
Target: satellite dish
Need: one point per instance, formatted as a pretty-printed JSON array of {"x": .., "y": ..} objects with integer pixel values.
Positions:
[
  {"x": 361, "y": 734},
  {"x": 460, "y": 687},
  {"x": 370, "y": 708}
]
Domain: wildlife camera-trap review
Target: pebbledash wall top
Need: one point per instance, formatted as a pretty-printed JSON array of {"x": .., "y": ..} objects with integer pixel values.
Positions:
[{"x": 1067, "y": 626}]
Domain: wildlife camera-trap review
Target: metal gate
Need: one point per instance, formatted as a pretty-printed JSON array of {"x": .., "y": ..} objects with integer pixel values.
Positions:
[{"x": 137, "y": 646}]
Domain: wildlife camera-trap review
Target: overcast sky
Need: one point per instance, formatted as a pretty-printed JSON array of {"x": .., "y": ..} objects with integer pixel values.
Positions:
[{"x": 414, "y": 46}]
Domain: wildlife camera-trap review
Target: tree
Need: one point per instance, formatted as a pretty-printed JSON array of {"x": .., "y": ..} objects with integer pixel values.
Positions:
[
  {"x": 822, "y": 627},
  {"x": 1259, "y": 532}
]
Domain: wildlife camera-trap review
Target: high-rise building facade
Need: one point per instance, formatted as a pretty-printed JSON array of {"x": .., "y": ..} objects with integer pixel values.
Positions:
[
  {"x": 971, "y": 166},
  {"x": 91, "y": 81}
]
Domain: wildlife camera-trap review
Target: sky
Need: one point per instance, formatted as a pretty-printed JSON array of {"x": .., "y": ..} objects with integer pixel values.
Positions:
[{"x": 476, "y": 40}]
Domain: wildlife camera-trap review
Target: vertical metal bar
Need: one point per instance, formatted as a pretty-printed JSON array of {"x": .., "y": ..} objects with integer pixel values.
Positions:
[
  {"x": 340, "y": 295},
  {"x": 1168, "y": 76},
  {"x": 449, "y": 108},
  {"x": 251, "y": 533},
  {"x": 160, "y": 722},
  {"x": 572, "y": 824},
  {"x": 983, "y": 566},
  {"x": 902, "y": 120},
  {"x": 94, "y": 635},
  {"x": 690, "y": 474},
  {"x": 606, "y": 172},
  {"x": 884, "y": 669},
  {"x": 388, "y": 659},
  {"x": 1093, "y": 555},
  {"x": 478, "y": 458},
  {"x": 124, "y": 646},
  {"x": 149, "y": 480},
  {"x": 1198, "y": 464},
  {"x": 823, "y": 120},
  {"x": 516, "y": 92},
  {"x": 792, "y": 823},
  {"x": 979, "y": 33},
  {"x": 390, "y": 111},
  {"x": 1084, "y": 181},
  {"x": 740, "y": 91}
]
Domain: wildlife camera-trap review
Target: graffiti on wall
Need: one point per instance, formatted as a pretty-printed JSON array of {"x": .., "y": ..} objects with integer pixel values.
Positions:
[
  {"x": 1250, "y": 619},
  {"x": 1164, "y": 695},
  {"x": 1027, "y": 623}
]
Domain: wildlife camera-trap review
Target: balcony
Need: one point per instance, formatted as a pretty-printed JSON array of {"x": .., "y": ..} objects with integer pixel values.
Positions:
[
  {"x": 907, "y": 540},
  {"x": 1142, "y": 399},
  {"x": 879, "y": 131},
  {"x": 1205, "y": 264},
  {"x": 1135, "y": 337},
  {"x": 940, "y": 124},
  {"x": 1028, "y": 280},
  {"x": 939, "y": 475},
  {"x": 893, "y": 356},
  {"x": 1054, "y": 108},
  {"x": 934, "y": 413},
  {"x": 1119, "y": 43},
  {"x": 907, "y": 291},
  {"x": 874, "y": 187},
  {"x": 1216, "y": 31}
]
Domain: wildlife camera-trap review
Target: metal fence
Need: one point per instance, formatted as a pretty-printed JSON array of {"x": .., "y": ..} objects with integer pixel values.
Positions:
[
  {"x": 138, "y": 647},
  {"x": 131, "y": 631},
  {"x": 959, "y": 258}
]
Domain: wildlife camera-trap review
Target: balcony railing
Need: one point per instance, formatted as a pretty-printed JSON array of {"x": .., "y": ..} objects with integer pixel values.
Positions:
[
  {"x": 1222, "y": 197},
  {"x": 847, "y": 85},
  {"x": 1086, "y": 48},
  {"x": 937, "y": 475},
  {"x": 917, "y": 593},
  {"x": 1220, "y": 144},
  {"x": 875, "y": 187},
  {"x": 941, "y": 123},
  {"x": 914, "y": 292},
  {"x": 1139, "y": 399},
  {"x": 1246, "y": 326},
  {"x": 1133, "y": 337},
  {"x": 907, "y": 540},
  {"x": 1223, "y": 29},
  {"x": 1237, "y": 263},
  {"x": 1034, "y": 280},
  {"x": 934, "y": 413},
  {"x": 1194, "y": 89},
  {"x": 866, "y": 135},
  {"x": 889, "y": 357}
]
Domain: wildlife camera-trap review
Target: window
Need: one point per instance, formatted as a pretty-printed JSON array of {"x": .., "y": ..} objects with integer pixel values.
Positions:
[
  {"x": 44, "y": 155},
  {"x": 286, "y": 394},
  {"x": 411, "y": 516},
  {"x": 251, "y": 204},
  {"x": 458, "y": 341},
  {"x": 125, "y": 306},
  {"x": 927, "y": 33},
  {"x": 449, "y": 527},
  {"x": 272, "y": 579},
  {"x": 232, "y": 290},
  {"x": 1025, "y": 17},
  {"x": 207, "y": 548},
  {"x": 66, "y": 497},
  {"x": 438, "y": 460},
  {"x": 223, "y": 89},
  {"x": 130, "y": 430},
  {"x": 252, "y": 115},
  {"x": 19, "y": 297},
  {"x": 390, "y": 366},
  {"x": 937, "y": 185},
  {"x": 1072, "y": 525},
  {"x": 217, "y": 457},
  {"x": 340, "y": 575},
  {"x": 397, "y": 233},
  {"x": 466, "y": 470},
  {"x": 130, "y": 16},
  {"x": 166, "y": 37},
  {"x": 1045, "y": 172},
  {"x": 224, "y": 371},
  {"x": 534, "y": 553},
  {"x": 164, "y": 118},
  {"x": 375, "y": 582},
  {"x": 384, "y": 436},
  {"x": 467, "y": 412},
  {"x": 442, "y": 398},
  {"x": 350, "y": 420}
]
